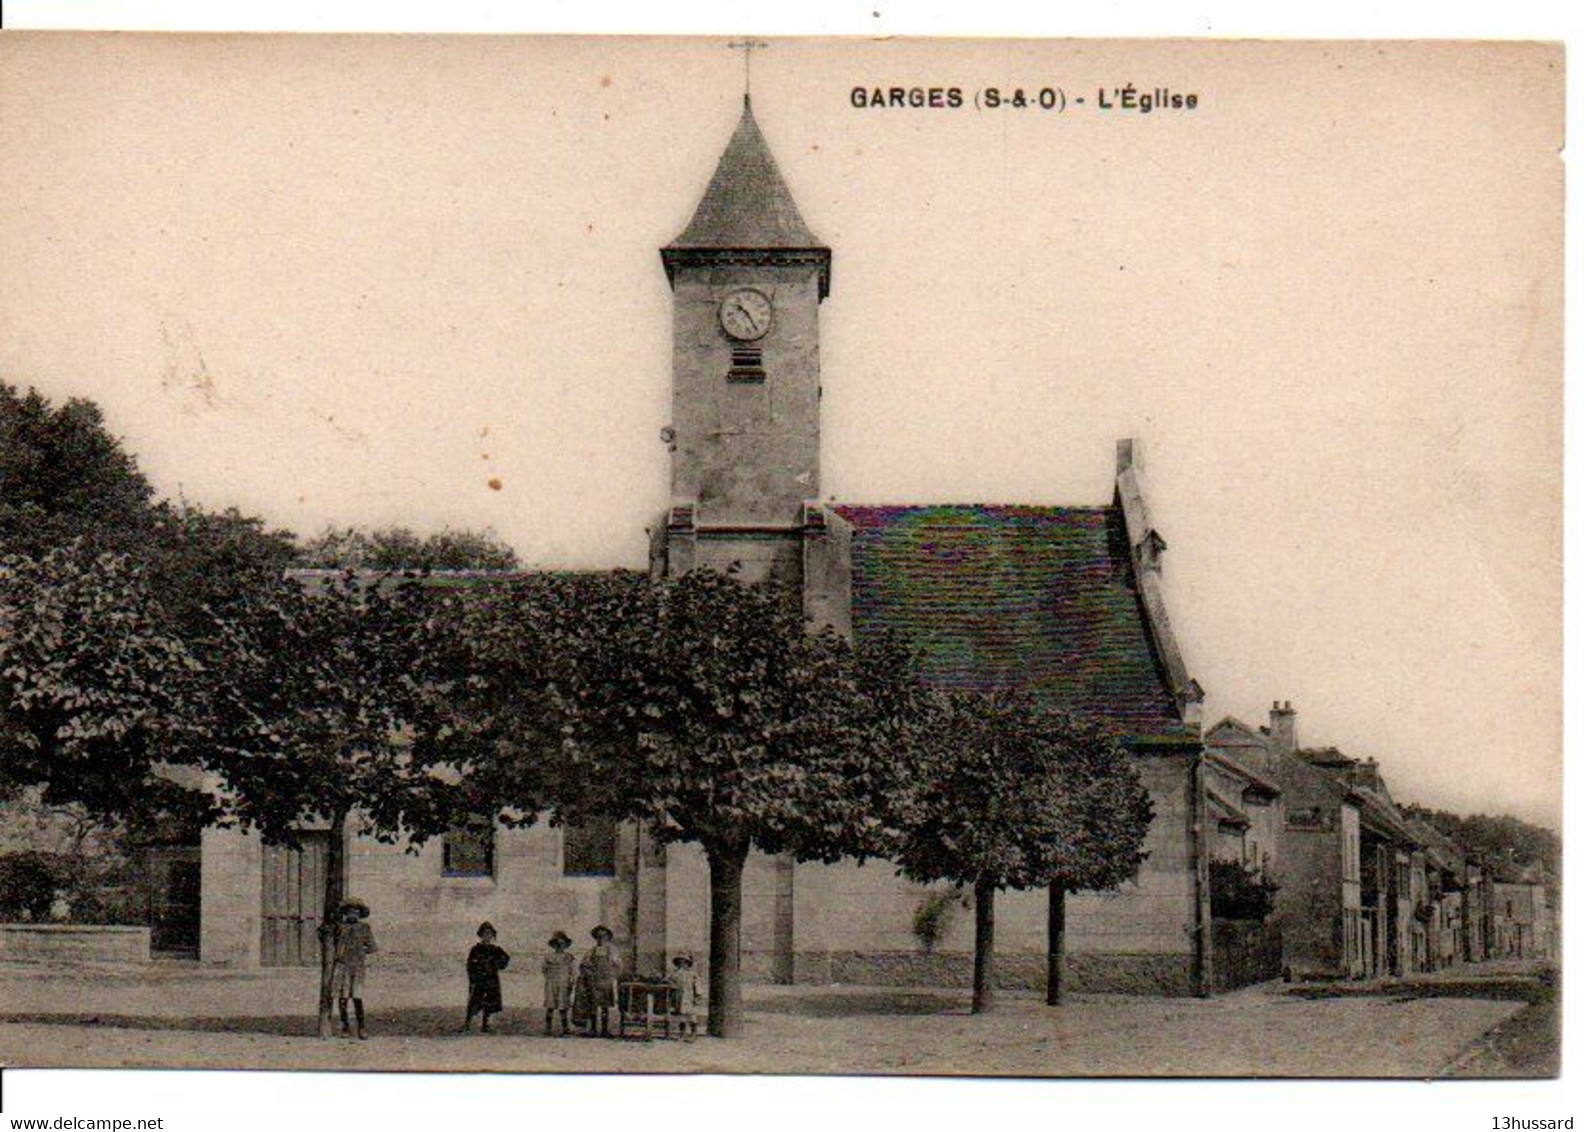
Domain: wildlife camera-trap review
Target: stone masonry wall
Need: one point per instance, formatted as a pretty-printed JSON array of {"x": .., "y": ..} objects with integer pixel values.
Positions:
[
  {"x": 73, "y": 943},
  {"x": 854, "y": 923},
  {"x": 747, "y": 452},
  {"x": 422, "y": 918}
]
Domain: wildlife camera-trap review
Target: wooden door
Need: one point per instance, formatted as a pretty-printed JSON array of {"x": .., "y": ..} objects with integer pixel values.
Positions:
[
  {"x": 176, "y": 884},
  {"x": 294, "y": 890}
]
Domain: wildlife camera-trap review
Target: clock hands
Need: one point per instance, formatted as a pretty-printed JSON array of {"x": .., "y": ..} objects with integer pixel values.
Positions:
[{"x": 745, "y": 315}]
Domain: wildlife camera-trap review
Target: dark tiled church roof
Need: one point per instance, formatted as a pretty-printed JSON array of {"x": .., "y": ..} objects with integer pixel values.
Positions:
[
  {"x": 1038, "y": 597},
  {"x": 747, "y": 204}
]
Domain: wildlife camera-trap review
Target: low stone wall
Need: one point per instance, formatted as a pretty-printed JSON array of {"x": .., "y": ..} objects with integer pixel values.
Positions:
[
  {"x": 1113, "y": 973},
  {"x": 73, "y": 943},
  {"x": 1086, "y": 973},
  {"x": 1245, "y": 952}
]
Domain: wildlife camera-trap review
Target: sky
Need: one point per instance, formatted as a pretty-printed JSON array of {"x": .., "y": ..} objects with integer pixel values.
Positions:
[{"x": 416, "y": 280}]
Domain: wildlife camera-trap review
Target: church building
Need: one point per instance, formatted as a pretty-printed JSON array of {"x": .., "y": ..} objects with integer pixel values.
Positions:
[{"x": 1064, "y": 600}]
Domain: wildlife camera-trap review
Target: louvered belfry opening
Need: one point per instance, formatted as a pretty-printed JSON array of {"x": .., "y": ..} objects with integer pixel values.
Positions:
[{"x": 747, "y": 364}]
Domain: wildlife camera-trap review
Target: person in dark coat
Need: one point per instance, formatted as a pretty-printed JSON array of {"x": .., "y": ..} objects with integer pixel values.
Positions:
[{"x": 484, "y": 964}]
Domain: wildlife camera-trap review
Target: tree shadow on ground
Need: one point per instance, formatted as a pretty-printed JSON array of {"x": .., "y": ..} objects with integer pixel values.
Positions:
[
  {"x": 1529, "y": 1044},
  {"x": 438, "y": 1022},
  {"x": 848, "y": 1005},
  {"x": 1497, "y": 989},
  {"x": 407, "y": 1022}
]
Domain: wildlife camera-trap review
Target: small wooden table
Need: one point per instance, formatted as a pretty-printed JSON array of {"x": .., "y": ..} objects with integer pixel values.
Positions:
[{"x": 643, "y": 1003}]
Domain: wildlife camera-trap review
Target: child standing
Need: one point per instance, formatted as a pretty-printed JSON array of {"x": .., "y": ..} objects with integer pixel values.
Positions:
[
  {"x": 685, "y": 994},
  {"x": 484, "y": 964},
  {"x": 354, "y": 943},
  {"x": 601, "y": 966},
  {"x": 560, "y": 973}
]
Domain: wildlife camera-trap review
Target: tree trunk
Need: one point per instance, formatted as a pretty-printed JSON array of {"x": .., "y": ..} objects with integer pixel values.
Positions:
[
  {"x": 984, "y": 946},
  {"x": 1056, "y": 944},
  {"x": 329, "y": 920},
  {"x": 725, "y": 959}
]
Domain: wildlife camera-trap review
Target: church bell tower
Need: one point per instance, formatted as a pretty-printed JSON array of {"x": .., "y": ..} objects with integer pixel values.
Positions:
[{"x": 747, "y": 279}]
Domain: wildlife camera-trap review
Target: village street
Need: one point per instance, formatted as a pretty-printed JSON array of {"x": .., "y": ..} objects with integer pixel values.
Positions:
[{"x": 178, "y": 1015}]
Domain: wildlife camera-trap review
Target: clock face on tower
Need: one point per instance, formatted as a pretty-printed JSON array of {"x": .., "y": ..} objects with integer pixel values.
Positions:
[{"x": 745, "y": 315}]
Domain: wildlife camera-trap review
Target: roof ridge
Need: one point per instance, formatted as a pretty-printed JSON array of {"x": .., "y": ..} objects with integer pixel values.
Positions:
[{"x": 981, "y": 505}]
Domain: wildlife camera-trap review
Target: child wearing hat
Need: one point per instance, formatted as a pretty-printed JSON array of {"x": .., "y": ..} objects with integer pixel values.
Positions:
[
  {"x": 685, "y": 994},
  {"x": 354, "y": 943},
  {"x": 484, "y": 964},
  {"x": 599, "y": 972},
  {"x": 560, "y": 973}
]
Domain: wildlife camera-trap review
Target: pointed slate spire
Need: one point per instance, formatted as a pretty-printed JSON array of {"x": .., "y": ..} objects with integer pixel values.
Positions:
[
  {"x": 747, "y": 213},
  {"x": 747, "y": 204}
]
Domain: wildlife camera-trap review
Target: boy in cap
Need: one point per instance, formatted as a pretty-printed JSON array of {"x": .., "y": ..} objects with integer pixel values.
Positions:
[
  {"x": 560, "y": 974},
  {"x": 484, "y": 964},
  {"x": 354, "y": 943}
]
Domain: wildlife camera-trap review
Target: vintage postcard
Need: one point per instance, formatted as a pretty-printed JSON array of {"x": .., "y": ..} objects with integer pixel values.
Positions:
[{"x": 1029, "y": 558}]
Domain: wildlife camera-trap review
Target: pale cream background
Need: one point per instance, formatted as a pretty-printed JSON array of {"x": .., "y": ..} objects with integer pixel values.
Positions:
[{"x": 353, "y": 280}]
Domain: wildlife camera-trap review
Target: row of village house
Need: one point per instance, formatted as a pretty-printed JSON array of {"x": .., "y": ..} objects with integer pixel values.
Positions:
[{"x": 1366, "y": 891}]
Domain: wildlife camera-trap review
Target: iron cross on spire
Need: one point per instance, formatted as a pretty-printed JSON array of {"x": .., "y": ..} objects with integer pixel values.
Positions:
[{"x": 747, "y": 47}]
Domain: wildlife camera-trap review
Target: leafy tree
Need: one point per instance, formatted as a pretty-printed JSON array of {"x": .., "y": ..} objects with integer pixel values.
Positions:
[
  {"x": 103, "y": 593},
  {"x": 202, "y": 563},
  {"x": 30, "y": 883},
  {"x": 1107, "y": 848},
  {"x": 1507, "y": 843},
  {"x": 399, "y": 548},
  {"x": 932, "y": 918},
  {"x": 489, "y": 721},
  {"x": 1240, "y": 892},
  {"x": 27, "y": 821},
  {"x": 96, "y": 693},
  {"x": 311, "y": 697},
  {"x": 701, "y": 707},
  {"x": 99, "y": 851},
  {"x": 64, "y": 477},
  {"x": 1009, "y": 795}
]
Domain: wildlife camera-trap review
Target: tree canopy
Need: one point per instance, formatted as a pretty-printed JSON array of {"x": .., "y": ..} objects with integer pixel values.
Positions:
[
  {"x": 64, "y": 477},
  {"x": 103, "y": 594},
  {"x": 702, "y": 707},
  {"x": 309, "y": 701},
  {"x": 310, "y": 694},
  {"x": 1019, "y": 795},
  {"x": 399, "y": 548},
  {"x": 95, "y": 690},
  {"x": 1013, "y": 794},
  {"x": 1507, "y": 843}
]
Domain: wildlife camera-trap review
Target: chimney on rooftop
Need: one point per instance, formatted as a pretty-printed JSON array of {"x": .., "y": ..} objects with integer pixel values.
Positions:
[
  {"x": 1283, "y": 729},
  {"x": 1129, "y": 455}
]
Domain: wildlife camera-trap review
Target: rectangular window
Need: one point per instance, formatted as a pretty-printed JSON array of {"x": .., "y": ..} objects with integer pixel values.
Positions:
[
  {"x": 589, "y": 848},
  {"x": 469, "y": 850}
]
